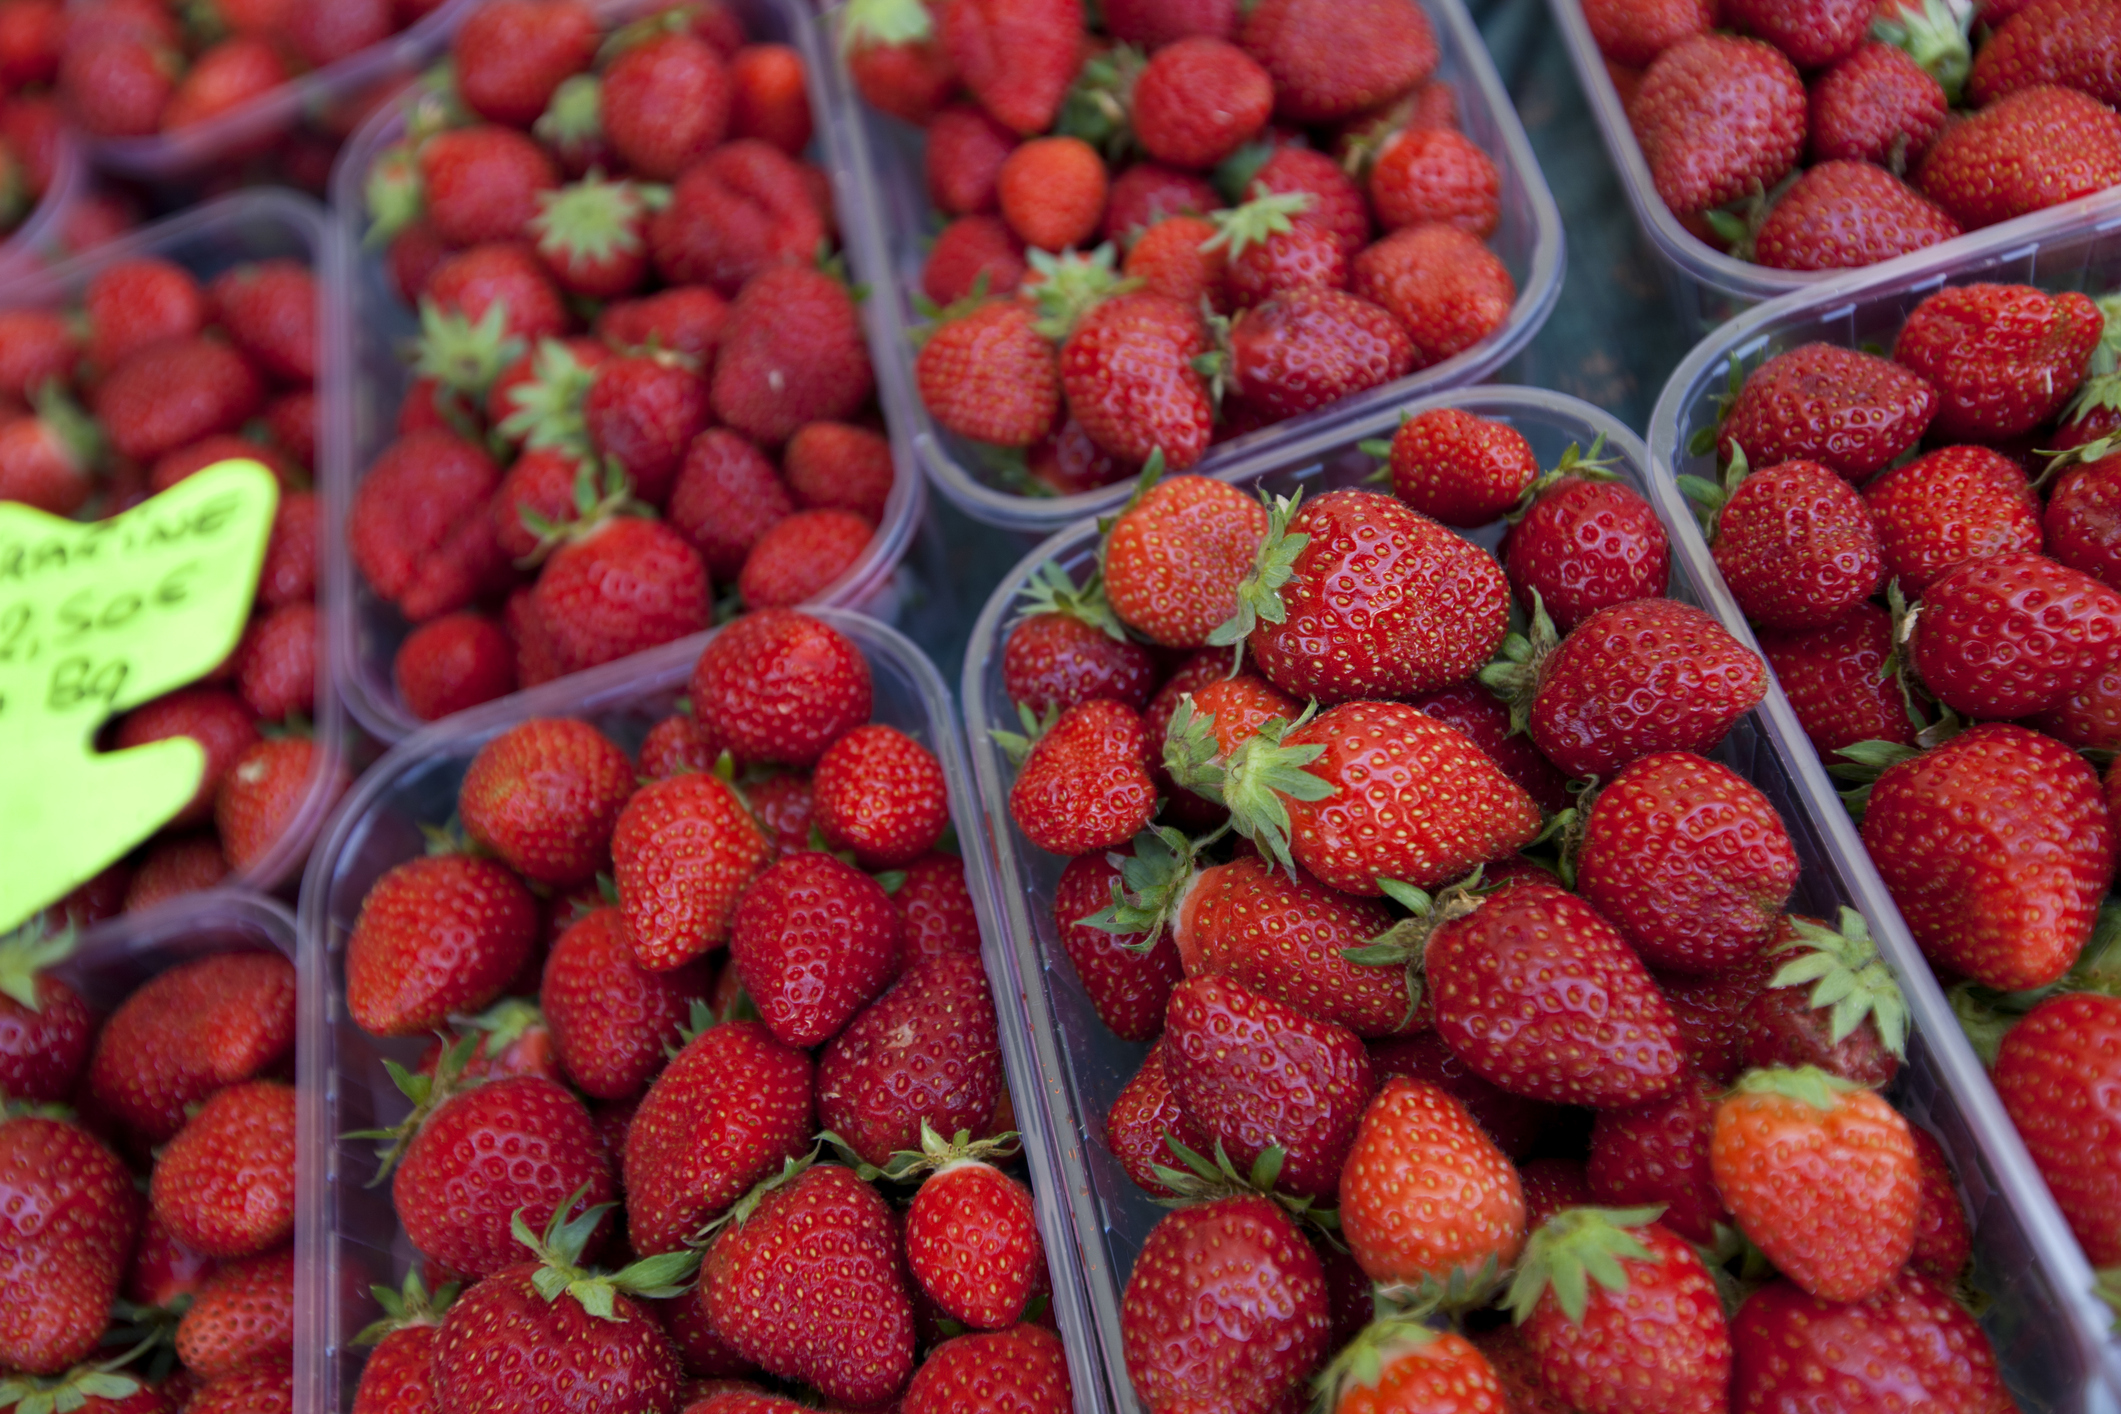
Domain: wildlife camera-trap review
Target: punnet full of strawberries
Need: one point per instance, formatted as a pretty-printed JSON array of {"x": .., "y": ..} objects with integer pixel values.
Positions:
[
  {"x": 148, "y": 1157},
  {"x": 1491, "y": 1067},
  {"x": 640, "y": 392},
  {"x": 1829, "y": 134},
  {"x": 711, "y": 1110},
  {"x": 30, "y": 118},
  {"x": 1181, "y": 224},
  {"x": 1924, "y": 545}
]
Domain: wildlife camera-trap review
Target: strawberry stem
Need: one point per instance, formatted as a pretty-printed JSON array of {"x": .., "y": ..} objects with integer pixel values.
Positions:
[{"x": 29, "y": 951}]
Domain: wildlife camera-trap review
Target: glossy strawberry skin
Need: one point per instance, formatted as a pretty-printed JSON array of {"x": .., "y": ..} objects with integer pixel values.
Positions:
[
  {"x": 1949, "y": 506},
  {"x": 1461, "y": 469},
  {"x": 927, "y": 1050},
  {"x": 781, "y": 686},
  {"x": 1659, "y": 1153},
  {"x": 2013, "y": 634},
  {"x": 67, "y": 1233},
  {"x": 881, "y": 794},
  {"x": 1443, "y": 284},
  {"x": 1306, "y": 349},
  {"x": 2003, "y": 358},
  {"x": 1144, "y": 1112},
  {"x": 1473, "y": 710},
  {"x": 225, "y": 1185},
  {"x": 1173, "y": 561},
  {"x": 1873, "y": 106},
  {"x": 1024, "y": 1364},
  {"x": 1425, "y": 1192},
  {"x": 2054, "y": 1075},
  {"x": 188, "y": 1032},
  {"x": 2025, "y": 152},
  {"x": 1057, "y": 660},
  {"x": 1850, "y": 410},
  {"x": 1606, "y": 1363},
  {"x": 1943, "y": 1242},
  {"x": 43, "y": 1048},
  {"x": 1584, "y": 546},
  {"x": 1797, "y": 546},
  {"x": 972, "y": 1243},
  {"x": 1835, "y": 680},
  {"x": 1085, "y": 786},
  {"x": 683, "y": 851},
  {"x": 1781, "y": 1028},
  {"x": 481, "y": 1362},
  {"x": 1911, "y": 1342},
  {"x": 544, "y": 795},
  {"x": 610, "y": 1017},
  {"x": 1016, "y": 56},
  {"x": 1330, "y": 61},
  {"x": 1717, "y": 115},
  {"x": 437, "y": 936},
  {"x": 991, "y": 376},
  {"x": 1127, "y": 988},
  {"x": 815, "y": 940},
  {"x": 1127, "y": 371},
  {"x": 1846, "y": 214}
]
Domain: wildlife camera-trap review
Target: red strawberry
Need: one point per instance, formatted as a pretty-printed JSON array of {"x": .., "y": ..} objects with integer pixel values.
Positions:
[
  {"x": 1473, "y": 710},
  {"x": 814, "y": 940},
  {"x": 836, "y": 465},
  {"x": 611, "y": 1018},
  {"x": 1127, "y": 984},
  {"x": 1403, "y": 1364},
  {"x": 544, "y": 796},
  {"x": 665, "y": 104},
  {"x": 225, "y": 1186},
  {"x": 1689, "y": 860},
  {"x": 269, "y": 308},
  {"x": 1274, "y": 247},
  {"x": 1084, "y": 784},
  {"x": 1949, "y": 506},
  {"x": 260, "y": 797},
  {"x": 1178, "y": 257},
  {"x": 1539, "y": 995},
  {"x": 1457, "y": 468},
  {"x": 395, "y": 1378},
  {"x": 1447, "y": 289},
  {"x": 36, "y": 346},
  {"x": 131, "y": 304},
  {"x": 2060, "y": 627},
  {"x": 1016, "y": 56},
  {"x": 1943, "y": 1244},
  {"x": 1426, "y": 1195},
  {"x": 173, "y": 467},
  {"x": 1719, "y": 117},
  {"x": 276, "y": 663},
  {"x": 188, "y": 1032},
  {"x": 243, "y": 1313},
  {"x": 115, "y": 83},
  {"x": 1155, "y": 23},
  {"x": 1645, "y": 1335},
  {"x": 727, "y": 497},
  {"x": 481, "y": 183},
  {"x": 1513, "y": 1122},
  {"x": 175, "y": 865},
  {"x": 1795, "y": 543},
  {"x": 966, "y": 149},
  {"x": 801, "y": 557},
  {"x": 895, "y": 57},
  {"x": 1127, "y": 370},
  {"x": 970, "y": 250},
  {"x": 683, "y": 852},
  {"x": 2032, "y": 150},
  {"x": 1022, "y": 1368},
  {"x": 2079, "y": 529},
  {"x": 418, "y": 528},
  {"x": 881, "y": 794},
  {"x": 1332, "y": 60},
  {"x": 290, "y": 572},
  {"x": 49, "y": 460},
  {"x": 1877, "y": 105},
  {"x": 686, "y": 320},
  {"x": 1848, "y": 213},
  {"x": 2053, "y": 1074},
  {"x": 1066, "y": 647},
  {"x": 792, "y": 353},
  {"x": 2003, "y": 358},
  {"x": 452, "y": 663},
  {"x": 593, "y": 236},
  {"x": 1659, "y": 1153},
  {"x": 619, "y": 584},
  {"x": 991, "y": 376},
  {"x": 780, "y": 686},
  {"x": 65, "y": 1237},
  {"x": 511, "y": 56},
  {"x": 1052, "y": 192},
  {"x": 2049, "y": 43},
  {"x": 45, "y": 1027},
  {"x": 934, "y": 906},
  {"x": 1144, "y": 1116},
  {"x": 1225, "y": 1309},
  {"x": 744, "y": 209},
  {"x": 1853, "y": 1021},
  {"x": 1852, "y": 411},
  {"x": 641, "y": 412},
  {"x": 173, "y": 393},
  {"x": 263, "y": 1385},
  {"x": 214, "y": 718},
  {"x": 480, "y": 308},
  {"x": 769, "y": 98},
  {"x": 923, "y": 1053},
  {"x": 1633, "y": 32},
  {"x": 1516, "y": 1368},
  {"x": 1198, "y": 100},
  {"x": 436, "y": 936},
  {"x": 1586, "y": 542},
  {"x": 675, "y": 745},
  {"x": 1175, "y": 558},
  {"x": 163, "y": 1268},
  {"x": 1436, "y": 174},
  {"x": 971, "y": 1238},
  {"x": 1306, "y": 349},
  {"x": 1911, "y": 1344},
  {"x": 727, "y": 1112}
]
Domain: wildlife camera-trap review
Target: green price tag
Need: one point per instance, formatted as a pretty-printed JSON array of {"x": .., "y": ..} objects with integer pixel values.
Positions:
[{"x": 95, "y": 619}]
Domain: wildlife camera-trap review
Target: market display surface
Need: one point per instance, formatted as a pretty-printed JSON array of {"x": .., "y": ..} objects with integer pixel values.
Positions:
[{"x": 1426, "y": 898}]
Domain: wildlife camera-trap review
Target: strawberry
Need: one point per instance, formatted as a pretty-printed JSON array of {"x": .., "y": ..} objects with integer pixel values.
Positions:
[
  {"x": 611, "y": 1018},
  {"x": 1850, "y": 410},
  {"x": 724, "y": 1114},
  {"x": 2078, "y": 528},
  {"x": 895, "y": 57},
  {"x": 36, "y": 346},
  {"x": 665, "y": 104},
  {"x": 769, "y": 99},
  {"x": 1426, "y": 1195},
  {"x": 1179, "y": 257},
  {"x": 1146, "y": 194},
  {"x": 1017, "y": 57},
  {"x": 1458, "y": 468},
  {"x": 991, "y": 376},
  {"x": 258, "y": 800},
  {"x": 452, "y": 663},
  {"x": 1127, "y": 371},
  {"x": 1876, "y": 105},
  {"x": 1852, "y": 1023},
  {"x": 225, "y": 1186},
  {"x": 243, "y": 1313},
  {"x": 1306, "y": 349},
  {"x": 1274, "y": 247},
  {"x": 675, "y": 745},
  {"x": 2051, "y": 1074},
  {"x": 923, "y": 1053},
  {"x": 966, "y": 149},
  {"x": 1144, "y": 1118},
  {"x": 744, "y": 209},
  {"x": 593, "y": 236},
  {"x": 686, "y": 320},
  {"x": 1645, "y": 1334},
  {"x": 1688, "y": 860},
  {"x": 214, "y": 718},
  {"x": 1052, "y": 192},
  {"x": 1447, "y": 289},
  {"x": 1198, "y": 100},
  {"x": 290, "y": 572},
  {"x": 1066, "y": 647},
  {"x": 1513, "y": 1122},
  {"x": 780, "y": 686},
  {"x": 436, "y": 935},
  {"x": 45, "y": 1027},
  {"x": 1401, "y": 1364},
  {"x": 1019, "y": 1369},
  {"x": 2049, "y": 43},
  {"x": 163, "y": 1268},
  {"x": 1633, "y": 32},
  {"x": 786, "y": 808},
  {"x": 619, "y": 584},
  {"x": 726, "y": 498},
  {"x": 395, "y": 1378},
  {"x": 1330, "y": 60},
  {"x": 1127, "y": 973},
  {"x": 276, "y": 663},
  {"x": 1174, "y": 559},
  {"x": 2060, "y": 627},
  {"x": 537, "y": 1332},
  {"x": 1068, "y": 462},
  {"x": 1943, "y": 1243},
  {"x": 1659, "y": 1153},
  {"x": 48, "y": 461},
  {"x": 1909, "y": 1345},
  {"x": 1225, "y": 1309},
  {"x": 175, "y": 392},
  {"x": 1473, "y": 710},
  {"x": 1083, "y": 784},
  {"x": 969, "y": 250},
  {"x": 1637, "y": 678},
  {"x": 481, "y": 183},
  {"x": 1152, "y": 24},
  {"x": 477, "y": 304},
  {"x": 115, "y": 84},
  {"x": 792, "y": 353},
  {"x": 683, "y": 852},
  {"x": 640, "y": 412},
  {"x": 934, "y": 906},
  {"x": 1719, "y": 116},
  {"x": 1436, "y": 174},
  {"x": 971, "y": 1239},
  {"x": 815, "y": 940},
  {"x": 840, "y": 466},
  {"x": 131, "y": 304},
  {"x": 1604, "y": 1037},
  {"x": 264, "y": 1385},
  {"x": 175, "y": 865},
  {"x": 1585, "y": 543},
  {"x": 1950, "y": 506},
  {"x": 2003, "y": 358},
  {"x": 2029, "y": 151},
  {"x": 188, "y": 1032},
  {"x": 418, "y": 528},
  {"x": 510, "y": 58},
  {"x": 65, "y": 1240},
  {"x": 269, "y": 309},
  {"x": 1848, "y": 213},
  {"x": 881, "y": 794}
]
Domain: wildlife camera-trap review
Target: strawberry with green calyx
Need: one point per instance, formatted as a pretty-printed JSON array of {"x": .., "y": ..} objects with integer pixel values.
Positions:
[
  {"x": 1401, "y": 1364},
  {"x": 1853, "y": 1022},
  {"x": 1273, "y": 248},
  {"x": 1405, "y": 943},
  {"x": 1147, "y": 888},
  {"x": 592, "y": 234},
  {"x": 428, "y": 1093},
  {"x": 396, "y": 1375},
  {"x": 572, "y": 125},
  {"x": 1083, "y": 780},
  {"x": 1176, "y": 556},
  {"x": 1428, "y": 1203},
  {"x": 45, "y": 1027},
  {"x": 615, "y": 580},
  {"x": 895, "y": 57},
  {"x": 51, "y": 460},
  {"x": 1098, "y": 106},
  {"x": 1583, "y": 1297},
  {"x": 2095, "y": 413},
  {"x": 394, "y": 193},
  {"x": 1259, "y": 597},
  {"x": 1934, "y": 35},
  {"x": 1795, "y": 541},
  {"x": 462, "y": 354},
  {"x": 97, "y": 1387},
  {"x": 1256, "y": 781},
  {"x": 1066, "y": 645}
]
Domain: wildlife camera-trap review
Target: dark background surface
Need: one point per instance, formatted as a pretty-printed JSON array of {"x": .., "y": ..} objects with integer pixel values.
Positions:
[{"x": 1612, "y": 339}]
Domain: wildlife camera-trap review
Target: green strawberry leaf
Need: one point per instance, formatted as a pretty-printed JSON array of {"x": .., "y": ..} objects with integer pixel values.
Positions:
[
  {"x": 28, "y": 952},
  {"x": 1847, "y": 975},
  {"x": 1259, "y": 596},
  {"x": 1572, "y": 1249}
]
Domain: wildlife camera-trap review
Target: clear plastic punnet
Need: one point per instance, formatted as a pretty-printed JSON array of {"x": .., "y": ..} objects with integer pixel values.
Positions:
[
  {"x": 1707, "y": 286},
  {"x": 348, "y": 1238},
  {"x": 1867, "y": 308},
  {"x": 366, "y": 320},
  {"x": 1080, "y": 1065},
  {"x": 884, "y": 205},
  {"x": 259, "y": 224},
  {"x": 28, "y": 246}
]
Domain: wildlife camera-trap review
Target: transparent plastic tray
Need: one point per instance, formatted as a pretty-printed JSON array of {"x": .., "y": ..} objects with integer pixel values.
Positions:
[
  {"x": 365, "y": 319},
  {"x": 29, "y": 245},
  {"x": 1707, "y": 286},
  {"x": 884, "y": 208},
  {"x": 1868, "y": 308},
  {"x": 259, "y": 224},
  {"x": 1081, "y": 1065},
  {"x": 349, "y": 1238}
]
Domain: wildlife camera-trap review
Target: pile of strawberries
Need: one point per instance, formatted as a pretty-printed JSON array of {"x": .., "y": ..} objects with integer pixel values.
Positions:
[
  {"x": 29, "y": 115},
  {"x": 156, "y": 376},
  {"x": 1183, "y": 226},
  {"x": 1468, "y": 973},
  {"x": 1837, "y": 133},
  {"x": 637, "y": 377},
  {"x": 616, "y": 1167},
  {"x": 1953, "y": 646},
  {"x": 149, "y": 1163}
]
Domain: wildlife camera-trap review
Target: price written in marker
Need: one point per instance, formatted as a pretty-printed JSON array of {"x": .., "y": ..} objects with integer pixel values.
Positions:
[{"x": 96, "y": 619}]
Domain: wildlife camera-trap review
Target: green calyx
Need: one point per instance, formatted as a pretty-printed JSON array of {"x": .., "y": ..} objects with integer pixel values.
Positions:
[
  {"x": 561, "y": 1273},
  {"x": 593, "y": 219},
  {"x": 503, "y": 1024},
  {"x": 1709, "y": 498},
  {"x": 1099, "y": 104},
  {"x": 62, "y": 1394},
  {"x": 1571, "y": 1250},
  {"x": 77, "y": 432},
  {"x": 1935, "y": 38},
  {"x": 395, "y": 194},
  {"x": 546, "y": 411},
  {"x": 1379, "y": 450},
  {"x": 411, "y": 1306},
  {"x": 28, "y": 952},
  {"x": 596, "y": 501},
  {"x": 1065, "y": 286},
  {"x": 1703, "y": 440},
  {"x": 463, "y": 355},
  {"x": 1204, "y": 1179},
  {"x": 1806, "y": 1084},
  {"x": 428, "y": 1093},
  {"x": 2106, "y": 1285},
  {"x": 1847, "y": 975},
  {"x": 1151, "y": 881},
  {"x": 1593, "y": 465},
  {"x": 741, "y": 1210},
  {"x": 884, "y": 23},
  {"x": 1051, "y": 591},
  {"x": 675, "y": 20},
  {"x": 574, "y": 116},
  {"x": 1017, "y": 745},
  {"x": 1361, "y": 1364},
  {"x": 1266, "y": 214},
  {"x": 1256, "y": 781},
  {"x": 2084, "y": 453},
  {"x": 1514, "y": 675},
  {"x": 1273, "y": 566},
  {"x": 1406, "y": 943},
  {"x": 935, "y": 1154}
]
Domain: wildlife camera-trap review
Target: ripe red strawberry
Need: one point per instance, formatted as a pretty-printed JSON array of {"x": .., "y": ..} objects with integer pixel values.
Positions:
[
  {"x": 1016, "y": 56},
  {"x": 175, "y": 865},
  {"x": 593, "y": 236},
  {"x": 2003, "y": 358},
  {"x": 1052, "y": 192},
  {"x": 1513, "y": 1122},
  {"x": 1943, "y": 1243},
  {"x": 1178, "y": 257},
  {"x": 727, "y": 497},
  {"x": 452, "y": 663},
  {"x": 1851, "y": 1023},
  {"x": 1306, "y": 349},
  {"x": 1659, "y": 1153},
  {"x": 1516, "y": 1367},
  {"x": 510, "y": 57},
  {"x": 1688, "y": 860},
  {"x": 1636, "y": 678},
  {"x": 544, "y": 796},
  {"x": 2050, "y": 43},
  {"x": 971, "y": 1238},
  {"x": 683, "y": 852},
  {"x": 878, "y": 793},
  {"x": 1645, "y": 1334},
  {"x": 1845, "y": 1227},
  {"x": 966, "y": 149},
  {"x": 2029, "y": 151},
  {"x": 618, "y": 585},
  {"x": 173, "y": 467},
  {"x": 1436, "y": 174},
  {"x": 727, "y": 1112},
  {"x": 290, "y": 572},
  {"x": 815, "y": 940},
  {"x": 1084, "y": 784},
  {"x": 641, "y": 412},
  {"x": 276, "y": 663},
  {"x": 1633, "y": 32},
  {"x": 1877, "y": 105},
  {"x": 1950, "y": 506},
  {"x": 675, "y": 745},
  {"x": 1198, "y": 100},
  {"x": 991, "y": 376},
  {"x": 1397, "y": 1364},
  {"x": 686, "y": 320},
  {"x": 665, "y": 104},
  {"x": 1852, "y": 411},
  {"x": 131, "y": 304},
  {"x": 1331, "y": 61},
  {"x": 225, "y": 1186},
  {"x": 1022, "y": 1368},
  {"x": 1795, "y": 542},
  {"x": 1225, "y": 1308},
  {"x": 1175, "y": 558},
  {"x": 65, "y": 1240},
  {"x": 481, "y": 183},
  {"x": 1473, "y": 710},
  {"x": 1426, "y": 1195},
  {"x": 1813, "y": 35},
  {"x": 49, "y": 460},
  {"x": 188, "y": 1032},
  {"x": 2061, "y": 627},
  {"x": 836, "y": 465},
  {"x": 923, "y": 1053},
  {"x": 214, "y": 718},
  {"x": 972, "y": 249},
  {"x": 269, "y": 308},
  {"x": 173, "y": 393},
  {"x": 747, "y": 207},
  {"x": 934, "y": 906},
  {"x": 1603, "y": 1037},
  {"x": 1155, "y": 23},
  {"x": 895, "y": 57},
  {"x": 1847, "y": 213},
  {"x": 770, "y": 100},
  {"x": 1719, "y": 117},
  {"x": 1457, "y": 468},
  {"x": 1447, "y": 289},
  {"x": 1066, "y": 647},
  {"x": 115, "y": 83},
  {"x": 1127, "y": 371},
  {"x": 45, "y": 1027},
  {"x": 1127, "y": 984},
  {"x": 1911, "y": 1344},
  {"x": 780, "y": 686},
  {"x": 258, "y": 800},
  {"x": 243, "y": 1313},
  {"x": 1587, "y": 542},
  {"x": 477, "y": 303},
  {"x": 395, "y": 1379},
  {"x": 418, "y": 528},
  {"x": 801, "y": 557},
  {"x": 36, "y": 346},
  {"x": 1274, "y": 248},
  {"x": 2053, "y": 1074},
  {"x": 792, "y": 353},
  {"x": 611, "y": 1018},
  {"x": 1143, "y": 1116},
  {"x": 263, "y": 1385},
  {"x": 436, "y": 936},
  {"x": 2078, "y": 527}
]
